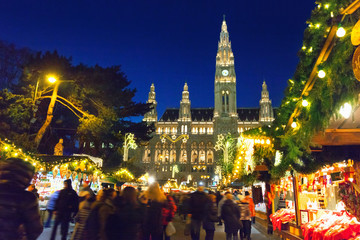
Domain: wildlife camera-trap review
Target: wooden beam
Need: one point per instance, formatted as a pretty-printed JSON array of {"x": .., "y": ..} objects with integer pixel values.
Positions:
[
  {"x": 351, "y": 8},
  {"x": 337, "y": 137}
]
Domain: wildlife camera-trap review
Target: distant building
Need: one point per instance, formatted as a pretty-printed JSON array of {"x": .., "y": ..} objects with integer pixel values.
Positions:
[{"x": 198, "y": 128}]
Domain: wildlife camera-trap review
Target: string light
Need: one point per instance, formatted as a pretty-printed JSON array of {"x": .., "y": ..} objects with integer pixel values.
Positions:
[
  {"x": 293, "y": 124},
  {"x": 321, "y": 74},
  {"x": 346, "y": 110},
  {"x": 305, "y": 103},
  {"x": 340, "y": 32}
]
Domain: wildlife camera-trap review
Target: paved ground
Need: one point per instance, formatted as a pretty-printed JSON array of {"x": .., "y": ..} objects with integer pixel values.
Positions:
[{"x": 219, "y": 233}]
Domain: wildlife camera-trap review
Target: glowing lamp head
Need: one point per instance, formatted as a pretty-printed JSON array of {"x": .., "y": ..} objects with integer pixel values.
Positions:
[
  {"x": 321, "y": 74},
  {"x": 52, "y": 79},
  {"x": 293, "y": 124},
  {"x": 151, "y": 180},
  {"x": 305, "y": 103},
  {"x": 346, "y": 110},
  {"x": 340, "y": 32}
]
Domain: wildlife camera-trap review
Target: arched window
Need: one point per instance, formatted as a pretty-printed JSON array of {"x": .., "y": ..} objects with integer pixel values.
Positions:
[
  {"x": 147, "y": 155},
  {"x": 194, "y": 156},
  {"x": 202, "y": 157},
  {"x": 210, "y": 157},
  {"x": 183, "y": 157},
  {"x": 225, "y": 100},
  {"x": 172, "y": 156},
  {"x": 158, "y": 156},
  {"x": 166, "y": 156}
]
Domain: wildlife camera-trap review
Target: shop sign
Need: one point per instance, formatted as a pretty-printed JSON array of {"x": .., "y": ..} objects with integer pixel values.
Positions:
[{"x": 304, "y": 216}]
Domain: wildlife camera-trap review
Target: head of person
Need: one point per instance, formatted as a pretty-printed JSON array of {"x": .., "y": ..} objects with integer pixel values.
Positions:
[
  {"x": 67, "y": 184},
  {"x": 111, "y": 193},
  {"x": 16, "y": 172},
  {"x": 84, "y": 194},
  {"x": 200, "y": 188},
  {"x": 247, "y": 193},
  {"x": 129, "y": 195},
  {"x": 31, "y": 187},
  {"x": 228, "y": 195},
  {"x": 154, "y": 193},
  {"x": 212, "y": 197},
  {"x": 103, "y": 194}
]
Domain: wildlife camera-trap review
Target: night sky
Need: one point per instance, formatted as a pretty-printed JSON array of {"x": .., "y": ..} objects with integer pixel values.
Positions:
[{"x": 168, "y": 42}]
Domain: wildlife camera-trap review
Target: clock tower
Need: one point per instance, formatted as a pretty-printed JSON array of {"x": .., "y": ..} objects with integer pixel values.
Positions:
[{"x": 225, "y": 112}]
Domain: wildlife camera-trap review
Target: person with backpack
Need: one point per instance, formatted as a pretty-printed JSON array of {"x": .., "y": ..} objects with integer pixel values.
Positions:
[
  {"x": 18, "y": 207},
  {"x": 66, "y": 207},
  {"x": 101, "y": 209},
  {"x": 198, "y": 200}
]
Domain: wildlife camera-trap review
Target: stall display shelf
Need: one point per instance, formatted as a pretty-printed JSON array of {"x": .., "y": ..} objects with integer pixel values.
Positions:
[{"x": 282, "y": 216}]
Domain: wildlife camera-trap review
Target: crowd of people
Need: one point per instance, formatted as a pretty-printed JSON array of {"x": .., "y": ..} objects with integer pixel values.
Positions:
[{"x": 127, "y": 214}]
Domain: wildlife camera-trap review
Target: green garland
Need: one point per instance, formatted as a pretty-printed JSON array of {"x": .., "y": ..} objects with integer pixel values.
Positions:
[{"x": 328, "y": 94}]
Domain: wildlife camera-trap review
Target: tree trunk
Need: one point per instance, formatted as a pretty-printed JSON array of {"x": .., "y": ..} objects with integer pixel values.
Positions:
[{"x": 49, "y": 116}]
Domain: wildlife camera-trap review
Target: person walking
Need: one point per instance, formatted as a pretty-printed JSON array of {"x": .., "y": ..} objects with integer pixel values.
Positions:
[
  {"x": 101, "y": 210},
  {"x": 66, "y": 206},
  {"x": 218, "y": 199},
  {"x": 18, "y": 206},
  {"x": 198, "y": 200},
  {"x": 247, "y": 210},
  {"x": 82, "y": 215},
  {"x": 153, "y": 227},
  {"x": 50, "y": 207},
  {"x": 211, "y": 216},
  {"x": 129, "y": 214},
  {"x": 220, "y": 204},
  {"x": 168, "y": 213},
  {"x": 230, "y": 213}
]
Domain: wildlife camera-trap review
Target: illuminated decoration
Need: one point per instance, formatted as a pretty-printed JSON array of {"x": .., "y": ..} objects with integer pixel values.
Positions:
[
  {"x": 293, "y": 124},
  {"x": 129, "y": 142},
  {"x": 175, "y": 169},
  {"x": 8, "y": 149},
  {"x": 123, "y": 174},
  {"x": 173, "y": 138},
  {"x": 346, "y": 110},
  {"x": 321, "y": 74},
  {"x": 305, "y": 103},
  {"x": 340, "y": 32},
  {"x": 151, "y": 180}
]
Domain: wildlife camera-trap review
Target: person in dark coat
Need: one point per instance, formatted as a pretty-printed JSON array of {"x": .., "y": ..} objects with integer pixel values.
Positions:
[
  {"x": 197, "y": 204},
  {"x": 129, "y": 214},
  {"x": 230, "y": 213},
  {"x": 82, "y": 215},
  {"x": 18, "y": 206},
  {"x": 66, "y": 206},
  {"x": 211, "y": 217},
  {"x": 218, "y": 199}
]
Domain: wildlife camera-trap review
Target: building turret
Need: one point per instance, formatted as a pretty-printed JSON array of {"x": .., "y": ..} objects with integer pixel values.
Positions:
[
  {"x": 151, "y": 116},
  {"x": 185, "y": 113},
  {"x": 266, "y": 114},
  {"x": 225, "y": 112}
]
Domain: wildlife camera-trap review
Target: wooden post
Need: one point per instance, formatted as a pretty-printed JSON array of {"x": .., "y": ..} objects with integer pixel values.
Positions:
[{"x": 296, "y": 199}]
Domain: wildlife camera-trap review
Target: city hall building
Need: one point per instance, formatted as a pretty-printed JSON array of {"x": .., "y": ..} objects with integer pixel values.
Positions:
[{"x": 184, "y": 137}]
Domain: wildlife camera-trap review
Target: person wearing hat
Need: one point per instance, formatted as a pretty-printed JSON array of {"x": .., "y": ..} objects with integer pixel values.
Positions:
[
  {"x": 18, "y": 206},
  {"x": 66, "y": 206}
]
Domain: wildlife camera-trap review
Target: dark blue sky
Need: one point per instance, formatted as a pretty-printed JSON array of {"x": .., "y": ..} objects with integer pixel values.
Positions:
[{"x": 168, "y": 42}]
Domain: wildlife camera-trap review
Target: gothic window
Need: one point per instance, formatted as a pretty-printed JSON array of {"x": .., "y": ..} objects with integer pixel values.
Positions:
[
  {"x": 166, "y": 157},
  {"x": 173, "y": 130},
  {"x": 202, "y": 145},
  {"x": 225, "y": 101},
  {"x": 158, "y": 156},
  {"x": 202, "y": 157},
  {"x": 158, "y": 145},
  {"x": 183, "y": 157},
  {"x": 194, "y": 156},
  {"x": 147, "y": 155},
  {"x": 193, "y": 145},
  {"x": 172, "y": 156},
  {"x": 210, "y": 130},
  {"x": 210, "y": 157},
  {"x": 185, "y": 128}
]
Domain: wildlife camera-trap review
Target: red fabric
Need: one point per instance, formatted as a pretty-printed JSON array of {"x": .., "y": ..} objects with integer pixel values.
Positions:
[
  {"x": 281, "y": 216},
  {"x": 169, "y": 211}
]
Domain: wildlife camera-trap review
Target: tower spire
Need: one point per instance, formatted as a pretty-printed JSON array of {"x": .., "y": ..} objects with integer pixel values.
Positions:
[
  {"x": 266, "y": 110},
  {"x": 151, "y": 116},
  {"x": 185, "y": 113}
]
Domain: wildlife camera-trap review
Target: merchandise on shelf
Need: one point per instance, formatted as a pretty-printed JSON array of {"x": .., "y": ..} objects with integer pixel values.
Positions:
[
  {"x": 332, "y": 225},
  {"x": 282, "y": 216}
]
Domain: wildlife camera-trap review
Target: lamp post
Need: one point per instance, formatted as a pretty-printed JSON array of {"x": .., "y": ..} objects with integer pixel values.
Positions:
[
  {"x": 129, "y": 142},
  {"x": 50, "y": 111}
]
